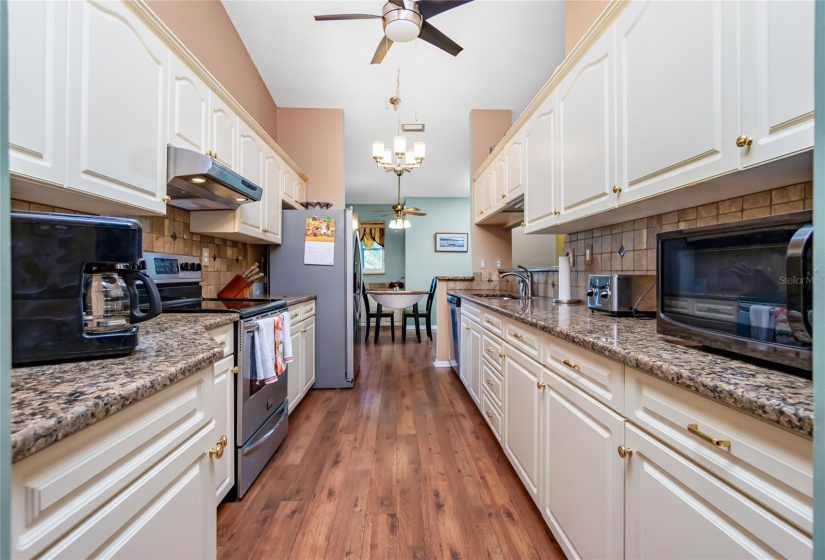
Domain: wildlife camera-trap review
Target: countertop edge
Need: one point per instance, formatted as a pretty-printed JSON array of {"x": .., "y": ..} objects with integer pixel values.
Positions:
[
  {"x": 293, "y": 300},
  {"x": 783, "y": 414}
]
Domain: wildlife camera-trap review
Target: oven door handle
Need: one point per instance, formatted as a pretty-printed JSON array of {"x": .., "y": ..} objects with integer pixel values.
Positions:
[
  {"x": 797, "y": 272},
  {"x": 263, "y": 438}
]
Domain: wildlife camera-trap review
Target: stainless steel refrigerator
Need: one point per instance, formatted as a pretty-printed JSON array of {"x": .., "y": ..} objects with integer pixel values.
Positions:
[{"x": 337, "y": 288}]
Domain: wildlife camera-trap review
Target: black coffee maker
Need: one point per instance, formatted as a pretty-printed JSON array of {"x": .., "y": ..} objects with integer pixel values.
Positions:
[{"x": 74, "y": 287}]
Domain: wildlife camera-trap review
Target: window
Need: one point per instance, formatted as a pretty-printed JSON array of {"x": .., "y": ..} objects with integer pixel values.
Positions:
[{"x": 372, "y": 243}]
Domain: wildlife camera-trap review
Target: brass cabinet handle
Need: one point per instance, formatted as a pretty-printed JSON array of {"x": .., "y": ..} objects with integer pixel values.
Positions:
[
  {"x": 235, "y": 370},
  {"x": 468, "y": 328},
  {"x": 504, "y": 195},
  {"x": 517, "y": 336},
  {"x": 480, "y": 212},
  {"x": 217, "y": 453},
  {"x": 489, "y": 415},
  {"x": 489, "y": 382},
  {"x": 490, "y": 321},
  {"x": 303, "y": 331},
  {"x": 694, "y": 429},
  {"x": 223, "y": 343},
  {"x": 625, "y": 452},
  {"x": 541, "y": 385},
  {"x": 617, "y": 189},
  {"x": 570, "y": 364},
  {"x": 166, "y": 198},
  {"x": 264, "y": 230},
  {"x": 490, "y": 349},
  {"x": 556, "y": 212},
  {"x": 502, "y": 355},
  {"x": 742, "y": 141}
]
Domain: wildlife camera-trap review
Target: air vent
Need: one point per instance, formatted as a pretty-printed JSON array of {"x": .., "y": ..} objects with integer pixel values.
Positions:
[{"x": 413, "y": 127}]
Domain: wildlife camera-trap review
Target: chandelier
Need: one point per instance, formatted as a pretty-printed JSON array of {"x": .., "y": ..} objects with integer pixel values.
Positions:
[{"x": 405, "y": 159}]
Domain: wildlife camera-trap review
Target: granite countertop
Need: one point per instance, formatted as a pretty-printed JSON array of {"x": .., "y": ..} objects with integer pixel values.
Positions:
[
  {"x": 51, "y": 402},
  {"x": 456, "y": 278},
  {"x": 292, "y": 300},
  {"x": 769, "y": 394}
]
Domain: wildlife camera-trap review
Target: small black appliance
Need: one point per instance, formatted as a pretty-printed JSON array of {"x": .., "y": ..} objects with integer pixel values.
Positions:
[{"x": 74, "y": 287}]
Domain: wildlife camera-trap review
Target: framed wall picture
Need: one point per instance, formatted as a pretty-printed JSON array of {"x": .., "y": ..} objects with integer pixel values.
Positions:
[{"x": 451, "y": 242}]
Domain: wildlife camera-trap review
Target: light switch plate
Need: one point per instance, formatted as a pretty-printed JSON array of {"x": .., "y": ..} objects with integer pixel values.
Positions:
[
  {"x": 498, "y": 263},
  {"x": 588, "y": 254},
  {"x": 482, "y": 264},
  {"x": 205, "y": 258}
]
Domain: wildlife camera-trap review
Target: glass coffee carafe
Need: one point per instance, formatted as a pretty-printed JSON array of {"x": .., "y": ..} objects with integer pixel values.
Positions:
[{"x": 110, "y": 301}]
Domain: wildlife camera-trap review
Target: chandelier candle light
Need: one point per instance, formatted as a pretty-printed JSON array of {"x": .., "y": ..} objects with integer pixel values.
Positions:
[{"x": 406, "y": 160}]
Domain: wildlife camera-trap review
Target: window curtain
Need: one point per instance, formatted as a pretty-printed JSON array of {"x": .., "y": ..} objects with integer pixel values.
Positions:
[{"x": 372, "y": 234}]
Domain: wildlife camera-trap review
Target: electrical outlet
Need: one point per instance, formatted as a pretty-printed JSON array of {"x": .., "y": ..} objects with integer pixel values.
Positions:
[
  {"x": 588, "y": 254},
  {"x": 498, "y": 263},
  {"x": 482, "y": 264},
  {"x": 205, "y": 258}
]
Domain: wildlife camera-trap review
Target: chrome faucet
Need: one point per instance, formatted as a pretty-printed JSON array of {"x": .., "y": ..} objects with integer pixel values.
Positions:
[{"x": 525, "y": 281}]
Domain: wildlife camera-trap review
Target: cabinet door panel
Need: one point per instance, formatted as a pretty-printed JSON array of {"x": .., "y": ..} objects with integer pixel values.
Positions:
[
  {"x": 464, "y": 352},
  {"x": 678, "y": 106},
  {"x": 499, "y": 180},
  {"x": 37, "y": 83},
  {"x": 308, "y": 355},
  {"x": 522, "y": 407},
  {"x": 189, "y": 108},
  {"x": 587, "y": 145},
  {"x": 540, "y": 163},
  {"x": 289, "y": 184},
  {"x": 777, "y": 78},
  {"x": 250, "y": 166},
  {"x": 515, "y": 168},
  {"x": 224, "y": 422},
  {"x": 474, "y": 366},
  {"x": 295, "y": 369},
  {"x": 273, "y": 189},
  {"x": 223, "y": 132},
  {"x": 674, "y": 509},
  {"x": 117, "y": 106},
  {"x": 583, "y": 486}
]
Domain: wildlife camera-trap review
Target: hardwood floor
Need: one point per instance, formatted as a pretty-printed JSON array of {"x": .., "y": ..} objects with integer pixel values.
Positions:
[{"x": 401, "y": 466}]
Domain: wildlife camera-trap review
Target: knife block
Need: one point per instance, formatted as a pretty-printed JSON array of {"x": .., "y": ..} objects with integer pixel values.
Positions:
[{"x": 237, "y": 288}]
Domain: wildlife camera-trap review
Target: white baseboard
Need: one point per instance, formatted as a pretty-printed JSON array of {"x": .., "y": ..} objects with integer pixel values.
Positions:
[{"x": 442, "y": 363}]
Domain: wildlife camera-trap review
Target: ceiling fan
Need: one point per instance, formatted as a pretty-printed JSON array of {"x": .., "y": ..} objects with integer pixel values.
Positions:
[
  {"x": 405, "y": 20},
  {"x": 401, "y": 212}
]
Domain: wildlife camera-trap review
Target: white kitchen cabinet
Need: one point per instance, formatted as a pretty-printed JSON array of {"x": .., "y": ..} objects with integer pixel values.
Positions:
[
  {"x": 290, "y": 187},
  {"x": 499, "y": 183},
  {"x": 224, "y": 394},
  {"x": 582, "y": 487},
  {"x": 301, "y": 376},
  {"x": 188, "y": 108},
  {"x": 675, "y": 509},
  {"x": 470, "y": 373},
  {"x": 541, "y": 167},
  {"x": 522, "y": 418},
  {"x": 301, "y": 192},
  {"x": 777, "y": 79},
  {"x": 678, "y": 106},
  {"x": 115, "y": 488},
  {"x": 117, "y": 106},
  {"x": 484, "y": 190},
  {"x": 514, "y": 172},
  {"x": 273, "y": 193},
  {"x": 37, "y": 90},
  {"x": 251, "y": 167},
  {"x": 223, "y": 132},
  {"x": 587, "y": 132}
]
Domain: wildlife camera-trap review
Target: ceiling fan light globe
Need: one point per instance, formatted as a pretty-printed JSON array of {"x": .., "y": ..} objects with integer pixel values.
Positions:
[
  {"x": 395, "y": 223},
  {"x": 401, "y": 30},
  {"x": 406, "y": 223}
]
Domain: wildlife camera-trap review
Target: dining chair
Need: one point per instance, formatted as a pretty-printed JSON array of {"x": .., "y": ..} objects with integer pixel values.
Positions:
[
  {"x": 428, "y": 314},
  {"x": 374, "y": 315}
]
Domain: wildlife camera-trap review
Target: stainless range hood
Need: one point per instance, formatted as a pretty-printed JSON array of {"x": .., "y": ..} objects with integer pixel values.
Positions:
[{"x": 195, "y": 181}]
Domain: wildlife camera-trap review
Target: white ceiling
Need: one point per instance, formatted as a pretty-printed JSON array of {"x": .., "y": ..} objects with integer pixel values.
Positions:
[{"x": 511, "y": 48}]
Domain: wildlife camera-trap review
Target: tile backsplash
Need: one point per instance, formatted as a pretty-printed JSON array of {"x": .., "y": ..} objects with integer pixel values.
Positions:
[
  {"x": 638, "y": 237},
  {"x": 171, "y": 234}
]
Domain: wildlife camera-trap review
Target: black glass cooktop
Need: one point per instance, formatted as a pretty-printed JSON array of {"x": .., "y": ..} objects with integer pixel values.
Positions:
[{"x": 244, "y": 307}]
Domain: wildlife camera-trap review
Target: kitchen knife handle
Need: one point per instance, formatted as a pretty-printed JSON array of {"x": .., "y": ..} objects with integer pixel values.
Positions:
[{"x": 131, "y": 277}]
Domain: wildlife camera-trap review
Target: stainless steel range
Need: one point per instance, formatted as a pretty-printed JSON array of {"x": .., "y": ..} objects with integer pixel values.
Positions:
[{"x": 260, "y": 410}]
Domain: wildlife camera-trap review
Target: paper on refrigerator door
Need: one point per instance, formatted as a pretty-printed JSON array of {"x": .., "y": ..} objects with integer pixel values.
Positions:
[{"x": 320, "y": 242}]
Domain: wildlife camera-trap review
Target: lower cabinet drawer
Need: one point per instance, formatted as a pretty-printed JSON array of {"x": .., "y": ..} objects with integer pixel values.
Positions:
[
  {"x": 307, "y": 310},
  {"x": 225, "y": 335},
  {"x": 491, "y": 413},
  {"x": 522, "y": 337},
  {"x": 770, "y": 464},
  {"x": 294, "y": 314},
  {"x": 470, "y": 311},
  {"x": 491, "y": 380},
  {"x": 493, "y": 322},
  {"x": 492, "y": 347}
]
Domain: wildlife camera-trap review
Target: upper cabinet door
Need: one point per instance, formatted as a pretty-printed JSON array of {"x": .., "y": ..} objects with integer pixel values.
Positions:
[
  {"x": 251, "y": 168},
  {"x": 189, "y": 108},
  {"x": 677, "y": 94},
  {"x": 587, "y": 126},
  {"x": 514, "y": 162},
  {"x": 223, "y": 132},
  {"x": 777, "y": 79},
  {"x": 289, "y": 184},
  {"x": 273, "y": 188},
  {"x": 117, "y": 105},
  {"x": 499, "y": 181},
  {"x": 37, "y": 89},
  {"x": 540, "y": 167}
]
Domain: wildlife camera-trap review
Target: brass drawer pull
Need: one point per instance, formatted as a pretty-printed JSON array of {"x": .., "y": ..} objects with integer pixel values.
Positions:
[
  {"x": 625, "y": 452},
  {"x": 303, "y": 331},
  {"x": 490, "y": 349},
  {"x": 694, "y": 429},
  {"x": 541, "y": 385},
  {"x": 489, "y": 382},
  {"x": 235, "y": 370},
  {"x": 570, "y": 364},
  {"x": 502, "y": 355},
  {"x": 468, "y": 328},
  {"x": 490, "y": 321},
  {"x": 489, "y": 415},
  {"x": 517, "y": 336}
]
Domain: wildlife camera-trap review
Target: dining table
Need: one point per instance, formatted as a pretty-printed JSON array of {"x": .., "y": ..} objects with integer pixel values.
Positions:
[{"x": 397, "y": 299}]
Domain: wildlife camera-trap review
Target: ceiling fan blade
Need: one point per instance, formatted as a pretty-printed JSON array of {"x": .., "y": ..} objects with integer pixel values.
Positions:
[
  {"x": 413, "y": 208},
  {"x": 384, "y": 215},
  {"x": 430, "y": 8},
  {"x": 408, "y": 213},
  {"x": 335, "y": 17},
  {"x": 435, "y": 37},
  {"x": 381, "y": 51}
]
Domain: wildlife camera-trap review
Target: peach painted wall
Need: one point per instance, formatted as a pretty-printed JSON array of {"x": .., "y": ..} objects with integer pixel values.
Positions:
[
  {"x": 579, "y": 15},
  {"x": 206, "y": 30},
  {"x": 487, "y": 127},
  {"x": 314, "y": 139}
]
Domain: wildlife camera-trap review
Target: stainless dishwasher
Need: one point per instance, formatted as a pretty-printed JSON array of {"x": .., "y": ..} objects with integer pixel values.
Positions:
[{"x": 455, "y": 320}]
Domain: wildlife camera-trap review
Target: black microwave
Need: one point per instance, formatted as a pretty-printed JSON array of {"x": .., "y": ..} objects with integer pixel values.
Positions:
[{"x": 744, "y": 287}]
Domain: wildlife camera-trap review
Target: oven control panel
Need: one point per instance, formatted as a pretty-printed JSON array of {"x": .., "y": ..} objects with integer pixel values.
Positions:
[{"x": 168, "y": 267}]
